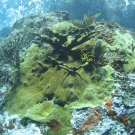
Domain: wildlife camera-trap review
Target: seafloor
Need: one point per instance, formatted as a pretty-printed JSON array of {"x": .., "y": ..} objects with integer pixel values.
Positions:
[{"x": 63, "y": 77}]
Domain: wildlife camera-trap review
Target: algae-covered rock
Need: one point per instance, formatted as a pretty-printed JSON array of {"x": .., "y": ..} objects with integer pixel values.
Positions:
[
  {"x": 40, "y": 82},
  {"x": 63, "y": 67},
  {"x": 99, "y": 88},
  {"x": 46, "y": 82},
  {"x": 124, "y": 43},
  {"x": 62, "y": 27},
  {"x": 55, "y": 78},
  {"x": 69, "y": 68},
  {"x": 130, "y": 66},
  {"x": 30, "y": 99}
]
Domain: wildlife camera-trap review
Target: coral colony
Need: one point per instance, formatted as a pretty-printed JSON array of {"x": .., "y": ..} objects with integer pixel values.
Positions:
[{"x": 67, "y": 77}]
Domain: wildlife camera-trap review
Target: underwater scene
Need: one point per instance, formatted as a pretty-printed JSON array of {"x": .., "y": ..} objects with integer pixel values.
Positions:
[{"x": 67, "y": 67}]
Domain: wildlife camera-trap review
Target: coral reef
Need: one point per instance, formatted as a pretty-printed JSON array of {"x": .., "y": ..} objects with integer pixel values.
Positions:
[{"x": 59, "y": 71}]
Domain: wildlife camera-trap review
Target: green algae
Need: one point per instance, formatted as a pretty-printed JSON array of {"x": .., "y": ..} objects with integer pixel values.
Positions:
[
  {"x": 53, "y": 84},
  {"x": 62, "y": 27},
  {"x": 129, "y": 67},
  {"x": 124, "y": 44},
  {"x": 40, "y": 91},
  {"x": 29, "y": 98},
  {"x": 99, "y": 88}
]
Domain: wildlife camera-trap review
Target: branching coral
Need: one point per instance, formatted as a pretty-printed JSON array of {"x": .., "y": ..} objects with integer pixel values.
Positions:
[
  {"x": 60, "y": 41},
  {"x": 87, "y": 21},
  {"x": 72, "y": 69},
  {"x": 87, "y": 57},
  {"x": 64, "y": 46}
]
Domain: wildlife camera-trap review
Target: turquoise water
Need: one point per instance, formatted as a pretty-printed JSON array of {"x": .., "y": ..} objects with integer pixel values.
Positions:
[{"x": 121, "y": 11}]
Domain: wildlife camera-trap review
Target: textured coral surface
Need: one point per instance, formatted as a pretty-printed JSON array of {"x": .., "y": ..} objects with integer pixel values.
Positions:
[{"x": 59, "y": 68}]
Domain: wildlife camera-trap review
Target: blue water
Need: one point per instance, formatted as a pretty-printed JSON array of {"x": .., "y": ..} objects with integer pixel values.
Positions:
[{"x": 120, "y": 11}]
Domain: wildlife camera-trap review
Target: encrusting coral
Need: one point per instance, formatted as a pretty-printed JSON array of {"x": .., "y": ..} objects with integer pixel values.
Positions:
[
  {"x": 90, "y": 121},
  {"x": 54, "y": 124}
]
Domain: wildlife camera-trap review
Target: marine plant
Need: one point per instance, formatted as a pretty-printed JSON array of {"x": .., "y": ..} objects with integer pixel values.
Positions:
[{"x": 87, "y": 20}]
